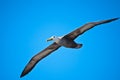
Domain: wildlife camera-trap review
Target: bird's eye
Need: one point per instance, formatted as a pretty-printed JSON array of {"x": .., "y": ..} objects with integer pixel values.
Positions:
[{"x": 53, "y": 36}]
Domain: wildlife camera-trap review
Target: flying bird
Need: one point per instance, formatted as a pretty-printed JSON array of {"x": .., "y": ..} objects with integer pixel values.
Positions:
[{"x": 66, "y": 41}]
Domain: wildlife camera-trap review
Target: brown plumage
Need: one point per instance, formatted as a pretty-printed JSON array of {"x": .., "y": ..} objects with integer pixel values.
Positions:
[
  {"x": 38, "y": 57},
  {"x": 66, "y": 41},
  {"x": 86, "y": 27}
]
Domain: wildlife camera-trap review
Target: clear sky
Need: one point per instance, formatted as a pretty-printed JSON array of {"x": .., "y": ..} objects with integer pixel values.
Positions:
[{"x": 26, "y": 24}]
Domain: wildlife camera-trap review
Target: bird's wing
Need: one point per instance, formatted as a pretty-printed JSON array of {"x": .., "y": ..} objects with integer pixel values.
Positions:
[
  {"x": 86, "y": 27},
  {"x": 35, "y": 59}
]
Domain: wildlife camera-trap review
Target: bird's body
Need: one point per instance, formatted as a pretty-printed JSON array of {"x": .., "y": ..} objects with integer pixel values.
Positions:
[{"x": 66, "y": 41}]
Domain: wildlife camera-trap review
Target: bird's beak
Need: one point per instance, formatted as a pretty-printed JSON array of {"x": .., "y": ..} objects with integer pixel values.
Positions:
[{"x": 50, "y": 39}]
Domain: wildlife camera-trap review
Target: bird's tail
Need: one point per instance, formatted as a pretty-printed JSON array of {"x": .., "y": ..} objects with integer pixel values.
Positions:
[{"x": 79, "y": 46}]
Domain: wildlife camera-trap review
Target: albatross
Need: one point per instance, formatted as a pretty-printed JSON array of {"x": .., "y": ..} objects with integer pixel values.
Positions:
[{"x": 66, "y": 41}]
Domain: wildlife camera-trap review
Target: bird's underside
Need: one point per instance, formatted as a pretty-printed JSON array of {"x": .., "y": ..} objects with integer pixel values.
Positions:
[{"x": 67, "y": 41}]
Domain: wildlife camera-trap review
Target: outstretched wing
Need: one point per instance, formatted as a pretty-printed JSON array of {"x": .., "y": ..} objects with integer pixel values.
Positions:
[
  {"x": 35, "y": 59},
  {"x": 86, "y": 27}
]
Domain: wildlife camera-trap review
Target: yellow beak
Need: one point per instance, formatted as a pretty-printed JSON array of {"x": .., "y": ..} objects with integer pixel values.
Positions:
[{"x": 50, "y": 39}]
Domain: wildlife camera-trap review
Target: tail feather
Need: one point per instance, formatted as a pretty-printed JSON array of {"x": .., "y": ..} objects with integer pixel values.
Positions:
[{"x": 79, "y": 46}]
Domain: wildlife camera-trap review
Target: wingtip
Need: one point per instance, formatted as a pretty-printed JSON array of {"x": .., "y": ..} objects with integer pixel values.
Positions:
[
  {"x": 116, "y": 18},
  {"x": 113, "y": 19},
  {"x": 110, "y": 20},
  {"x": 21, "y": 75}
]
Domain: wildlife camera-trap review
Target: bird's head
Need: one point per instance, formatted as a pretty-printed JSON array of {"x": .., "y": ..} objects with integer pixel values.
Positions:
[{"x": 51, "y": 38}]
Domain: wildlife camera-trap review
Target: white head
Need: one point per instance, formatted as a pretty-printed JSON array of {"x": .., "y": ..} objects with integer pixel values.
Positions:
[
  {"x": 54, "y": 38},
  {"x": 51, "y": 38}
]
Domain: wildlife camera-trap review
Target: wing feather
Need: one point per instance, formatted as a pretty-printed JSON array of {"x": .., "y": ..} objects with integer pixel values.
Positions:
[
  {"x": 86, "y": 27},
  {"x": 35, "y": 59}
]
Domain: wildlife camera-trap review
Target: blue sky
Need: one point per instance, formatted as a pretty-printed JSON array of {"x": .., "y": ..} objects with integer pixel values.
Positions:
[{"x": 26, "y": 24}]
